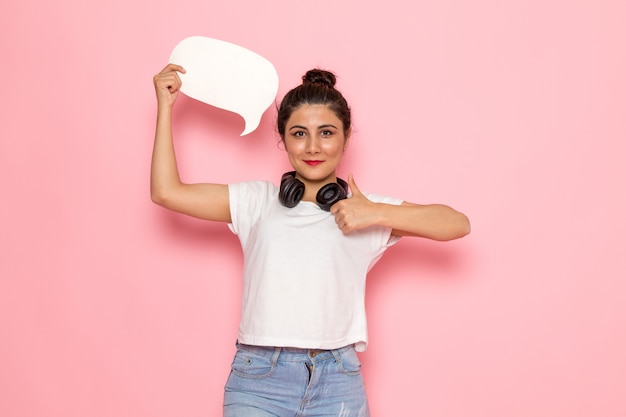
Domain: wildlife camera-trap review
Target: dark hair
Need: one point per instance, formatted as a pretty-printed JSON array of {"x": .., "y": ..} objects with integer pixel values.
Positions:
[{"x": 318, "y": 87}]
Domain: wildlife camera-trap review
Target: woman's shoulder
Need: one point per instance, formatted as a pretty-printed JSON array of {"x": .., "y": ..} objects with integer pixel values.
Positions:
[
  {"x": 252, "y": 189},
  {"x": 379, "y": 198},
  {"x": 253, "y": 184}
]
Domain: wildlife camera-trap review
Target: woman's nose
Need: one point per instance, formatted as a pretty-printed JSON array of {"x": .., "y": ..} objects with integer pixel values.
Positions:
[{"x": 313, "y": 145}]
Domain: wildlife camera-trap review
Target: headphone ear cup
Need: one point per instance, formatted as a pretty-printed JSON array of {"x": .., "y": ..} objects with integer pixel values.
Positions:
[
  {"x": 291, "y": 190},
  {"x": 330, "y": 193}
]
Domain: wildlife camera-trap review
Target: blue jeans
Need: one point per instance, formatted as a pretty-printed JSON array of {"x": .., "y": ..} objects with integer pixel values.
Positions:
[{"x": 290, "y": 382}]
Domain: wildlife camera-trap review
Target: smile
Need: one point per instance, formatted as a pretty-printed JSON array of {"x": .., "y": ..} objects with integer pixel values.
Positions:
[{"x": 313, "y": 162}]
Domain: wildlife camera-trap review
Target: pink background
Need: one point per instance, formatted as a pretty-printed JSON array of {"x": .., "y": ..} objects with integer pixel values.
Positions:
[{"x": 512, "y": 112}]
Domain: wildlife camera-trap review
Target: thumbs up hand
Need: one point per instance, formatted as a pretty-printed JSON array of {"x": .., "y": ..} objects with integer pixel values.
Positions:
[{"x": 356, "y": 212}]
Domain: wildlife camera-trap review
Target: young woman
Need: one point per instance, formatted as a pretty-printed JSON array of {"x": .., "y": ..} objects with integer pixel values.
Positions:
[{"x": 308, "y": 245}]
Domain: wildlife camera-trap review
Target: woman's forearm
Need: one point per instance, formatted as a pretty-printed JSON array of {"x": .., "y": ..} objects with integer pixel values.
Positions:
[
  {"x": 432, "y": 221},
  {"x": 164, "y": 169}
]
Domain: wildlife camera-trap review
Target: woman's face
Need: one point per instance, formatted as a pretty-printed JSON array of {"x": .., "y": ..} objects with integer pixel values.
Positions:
[{"x": 315, "y": 142}]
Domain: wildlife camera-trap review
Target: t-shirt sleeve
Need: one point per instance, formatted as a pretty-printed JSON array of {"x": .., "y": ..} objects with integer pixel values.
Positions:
[
  {"x": 247, "y": 202},
  {"x": 387, "y": 237}
]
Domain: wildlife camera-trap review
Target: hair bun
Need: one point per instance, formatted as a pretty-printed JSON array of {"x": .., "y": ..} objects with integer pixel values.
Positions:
[{"x": 319, "y": 77}]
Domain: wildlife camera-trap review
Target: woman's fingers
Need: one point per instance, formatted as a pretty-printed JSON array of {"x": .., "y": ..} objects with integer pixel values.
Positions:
[{"x": 167, "y": 82}]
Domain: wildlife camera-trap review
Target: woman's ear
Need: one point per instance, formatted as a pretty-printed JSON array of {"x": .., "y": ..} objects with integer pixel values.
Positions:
[{"x": 347, "y": 139}]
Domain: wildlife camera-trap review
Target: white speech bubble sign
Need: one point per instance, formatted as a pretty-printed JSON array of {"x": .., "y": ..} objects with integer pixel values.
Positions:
[{"x": 227, "y": 76}]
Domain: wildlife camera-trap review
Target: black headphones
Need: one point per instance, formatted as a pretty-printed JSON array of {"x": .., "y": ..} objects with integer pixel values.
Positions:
[{"x": 292, "y": 190}]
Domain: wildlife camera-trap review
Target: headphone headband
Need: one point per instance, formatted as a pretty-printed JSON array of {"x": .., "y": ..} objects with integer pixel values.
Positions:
[{"x": 292, "y": 190}]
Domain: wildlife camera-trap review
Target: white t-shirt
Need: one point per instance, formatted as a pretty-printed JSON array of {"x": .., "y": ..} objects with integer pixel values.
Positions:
[{"x": 303, "y": 279}]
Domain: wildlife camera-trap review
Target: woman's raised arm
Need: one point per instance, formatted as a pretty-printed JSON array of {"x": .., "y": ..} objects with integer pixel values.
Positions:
[{"x": 205, "y": 201}]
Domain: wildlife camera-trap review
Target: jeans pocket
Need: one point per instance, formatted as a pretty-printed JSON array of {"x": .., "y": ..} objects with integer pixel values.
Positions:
[
  {"x": 251, "y": 366},
  {"x": 350, "y": 364}
]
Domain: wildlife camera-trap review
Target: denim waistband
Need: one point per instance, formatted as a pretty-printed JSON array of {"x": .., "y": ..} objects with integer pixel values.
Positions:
[{"x": 286, "y": 353}]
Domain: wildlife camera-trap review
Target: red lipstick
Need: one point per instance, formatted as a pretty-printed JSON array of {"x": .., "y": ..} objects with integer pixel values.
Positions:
[{"x": 313, "y": 162}]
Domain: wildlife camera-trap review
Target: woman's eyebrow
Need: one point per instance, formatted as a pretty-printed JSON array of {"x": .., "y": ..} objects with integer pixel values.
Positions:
[{"x": 324, "y": 126}]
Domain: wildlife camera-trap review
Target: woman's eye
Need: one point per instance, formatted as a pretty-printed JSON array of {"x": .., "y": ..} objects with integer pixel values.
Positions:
[
  {"x": 326, "y": 133},
  {"x": 299, "y": 134}
]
